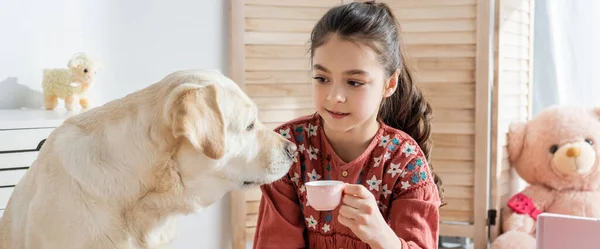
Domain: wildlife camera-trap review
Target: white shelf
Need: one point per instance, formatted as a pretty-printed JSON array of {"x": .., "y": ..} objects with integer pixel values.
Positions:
[{"x": 33, "y": 118}]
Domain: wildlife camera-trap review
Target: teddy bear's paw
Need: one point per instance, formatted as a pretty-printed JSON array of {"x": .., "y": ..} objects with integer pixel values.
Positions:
[{"x": 514, "y": 240}]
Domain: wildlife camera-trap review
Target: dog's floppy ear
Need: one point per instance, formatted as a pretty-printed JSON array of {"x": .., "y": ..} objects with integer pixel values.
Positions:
[{"x": 193, "y": 112}]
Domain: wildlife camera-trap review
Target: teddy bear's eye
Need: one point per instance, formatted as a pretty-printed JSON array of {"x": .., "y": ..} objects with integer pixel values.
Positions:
[
  {"x": 85, "y": 70},
  {"x": 553, "y": 148},
  {"x": 589, "y": 141}
]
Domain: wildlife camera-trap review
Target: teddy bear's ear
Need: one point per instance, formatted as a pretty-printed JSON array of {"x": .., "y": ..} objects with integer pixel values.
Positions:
[{"x": 515, "y": 140}]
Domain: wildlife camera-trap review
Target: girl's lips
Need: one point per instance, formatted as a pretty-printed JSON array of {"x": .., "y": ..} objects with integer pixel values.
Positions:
[{"x": 337, "y": 115}]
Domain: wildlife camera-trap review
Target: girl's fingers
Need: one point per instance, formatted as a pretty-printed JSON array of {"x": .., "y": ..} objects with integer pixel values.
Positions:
[
  {"x": 357, "y": 216},
  {"x": 346, "y": 221},
  {"x": 357, "y": 190},
  {"x": 354, "y": 202}
]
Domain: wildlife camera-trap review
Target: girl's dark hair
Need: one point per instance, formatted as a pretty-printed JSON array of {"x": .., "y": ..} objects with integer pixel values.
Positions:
[{"x": 374, "y": 24}]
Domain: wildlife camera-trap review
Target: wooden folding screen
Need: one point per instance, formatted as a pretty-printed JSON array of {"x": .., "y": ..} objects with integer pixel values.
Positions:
[
  {"x": 450, "y": 44},
  {"x": 512, "y": 93}
]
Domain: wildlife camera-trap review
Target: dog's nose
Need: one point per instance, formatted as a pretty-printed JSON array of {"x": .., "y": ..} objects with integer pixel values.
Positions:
[{"x": 291, "y": 148}]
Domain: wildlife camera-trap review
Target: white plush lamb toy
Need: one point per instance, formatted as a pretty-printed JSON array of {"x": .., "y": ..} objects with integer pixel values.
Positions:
[{"x": 69, "y": 84}]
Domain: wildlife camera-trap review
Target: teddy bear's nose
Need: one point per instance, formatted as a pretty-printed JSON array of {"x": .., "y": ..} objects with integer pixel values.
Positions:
[{"x": 573, "y": 152}]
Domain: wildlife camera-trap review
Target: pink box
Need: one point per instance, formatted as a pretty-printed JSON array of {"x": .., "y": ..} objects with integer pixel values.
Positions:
[{"x": 556, "y": 231}]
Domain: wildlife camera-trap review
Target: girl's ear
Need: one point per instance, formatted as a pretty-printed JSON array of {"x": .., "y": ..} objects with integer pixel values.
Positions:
[{"x": 391, "y": 84}]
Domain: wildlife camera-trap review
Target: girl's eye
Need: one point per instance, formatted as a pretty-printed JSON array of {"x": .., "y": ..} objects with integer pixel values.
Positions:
[
  {"x": 355, "y": 83},
  {"x": 320, "y": 79}
]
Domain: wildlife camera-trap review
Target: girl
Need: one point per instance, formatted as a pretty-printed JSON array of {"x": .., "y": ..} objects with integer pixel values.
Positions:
[{"x": 371, "y": 130}]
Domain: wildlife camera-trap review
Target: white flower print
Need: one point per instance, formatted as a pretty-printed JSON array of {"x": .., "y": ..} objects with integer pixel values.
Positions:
[
  {"x": 387, "y": 156},
  {"x": 312, "y": 153},
  {"x": 404, "y": 172},
  {"x": 384, "y": 140},
  {"x": 377, "y": 160},
  {"x": 385, "y": 191},
  {"x": 374, "y": 183},
  {"x": 311, "y": 222},
  {"x": 381, "y": 206},
  {"x": 409, "y": 149},
  {"x": 326, "y": 228},
  {"x": 405, "y": 185},
  {"x": 394, "y": 169},
  {"x": 301, "y": 148},
  {"x": 285, "y": 133},
  {"x": 296, "y": 178},
  {"x": 302, "y": 188},
  {"x": 313, "y": 176},
  {"x": 312, "y": 130}
]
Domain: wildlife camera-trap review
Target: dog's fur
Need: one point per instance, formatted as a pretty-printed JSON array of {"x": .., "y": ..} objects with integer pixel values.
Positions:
[{"x": 118, "y": 175}]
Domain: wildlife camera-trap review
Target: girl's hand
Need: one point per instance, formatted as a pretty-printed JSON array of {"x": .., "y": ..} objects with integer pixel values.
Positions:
[{"x": 359, "y": 212}]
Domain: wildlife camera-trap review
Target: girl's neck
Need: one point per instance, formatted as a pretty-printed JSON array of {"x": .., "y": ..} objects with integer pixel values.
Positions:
[{"x": 349, "y": 145}]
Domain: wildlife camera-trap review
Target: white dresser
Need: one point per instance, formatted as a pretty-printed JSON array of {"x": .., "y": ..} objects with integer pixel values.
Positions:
[{"x": 22, "y": 133}]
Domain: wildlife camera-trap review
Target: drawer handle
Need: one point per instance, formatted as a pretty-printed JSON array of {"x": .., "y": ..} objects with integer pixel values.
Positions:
[{"x": 39, "y": 147}]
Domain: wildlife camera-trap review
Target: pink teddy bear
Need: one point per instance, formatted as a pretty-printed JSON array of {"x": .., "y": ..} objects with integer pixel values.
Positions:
[{"x": 557, "y": 153}]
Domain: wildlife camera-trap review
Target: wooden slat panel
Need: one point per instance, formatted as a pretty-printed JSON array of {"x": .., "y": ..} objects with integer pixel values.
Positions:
[
  {"x": 443, "y": 89},
  {"x": 459, "y": 204},
  {"x": 457, "y": 230},
  {"x": 275, "y": 38},
  {"x": 287, "y": 90},
  {"x": 276, "y": 25},
  {"x": 457, "y": 179},
  {"x": 278, "y": 77},
  {"x": 294, "y": 3},
  {"x": 454, "y": 215},
  {"x": 441, "y": 50},
  {"x": 451, "y": 102},
  {"x": 443, "y": 76},
  {"x": 250, "y": 231},
  {"x": 277, "y": 64},
  {"x": 453, "y": 128},
  {"x": 278, "y": 12},
  {"x": 445, "y": 64},
  {"x": 277, "y": 51},
  {"x": 435, "y": 12},
  {"x": 453, "y": 115},
  {"x": 516, "y": 28},
  {"x": 460, "y": 192},
  {"x": 450, "y": 153},
  {"x": 251, "y": 220},
  {"x": 515, "y": 40},
  {"x": 280, "y": 116},
  {"x": 283, "y": 103},
  {"x": 441, "y": 25},
  {"x": 428, "y": 3},
  {"x": 438, "y": 38},
  {"x": 252, "y": 207},
  {"x": 464, "y": 141},
  {"x": 253, "y": 194},
  {"x": 452, "y": 166}
]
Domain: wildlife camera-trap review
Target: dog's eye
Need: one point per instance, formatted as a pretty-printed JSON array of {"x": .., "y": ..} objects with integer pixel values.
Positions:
[
  {"x": 589, "y": 141},
  {"x": 85, "y": 70},
  {"x": 250, "y": 127}
]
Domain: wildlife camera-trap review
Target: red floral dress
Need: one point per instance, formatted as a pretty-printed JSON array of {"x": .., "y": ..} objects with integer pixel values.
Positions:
[{"x": 392, "y": 168}]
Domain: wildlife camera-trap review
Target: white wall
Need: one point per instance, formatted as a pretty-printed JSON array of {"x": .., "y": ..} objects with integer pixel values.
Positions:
[{"x": 137, "y": 41}]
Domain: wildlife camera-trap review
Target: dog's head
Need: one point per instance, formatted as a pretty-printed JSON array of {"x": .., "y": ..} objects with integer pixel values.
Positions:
[{"x": 219, "y": 134}]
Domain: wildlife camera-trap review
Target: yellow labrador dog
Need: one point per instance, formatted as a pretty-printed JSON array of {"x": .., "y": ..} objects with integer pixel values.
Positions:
[{"x": 118, "y": 175}]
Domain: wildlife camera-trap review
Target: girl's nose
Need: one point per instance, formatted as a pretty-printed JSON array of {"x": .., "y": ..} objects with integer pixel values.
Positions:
[{"x": 336, "y": 95}]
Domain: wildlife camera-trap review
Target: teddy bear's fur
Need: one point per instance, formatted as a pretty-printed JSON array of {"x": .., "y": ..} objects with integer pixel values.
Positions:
[
  {"x": 69, "y": 84},
  {"x": 557, "y": 153}
]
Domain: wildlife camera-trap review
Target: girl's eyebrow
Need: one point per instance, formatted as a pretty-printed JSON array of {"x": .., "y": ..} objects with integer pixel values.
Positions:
[{"x": 348, "y": 72}]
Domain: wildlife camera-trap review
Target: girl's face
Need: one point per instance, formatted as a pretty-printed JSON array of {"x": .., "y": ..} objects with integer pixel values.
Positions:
[{"x": 349, "y": 84}]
